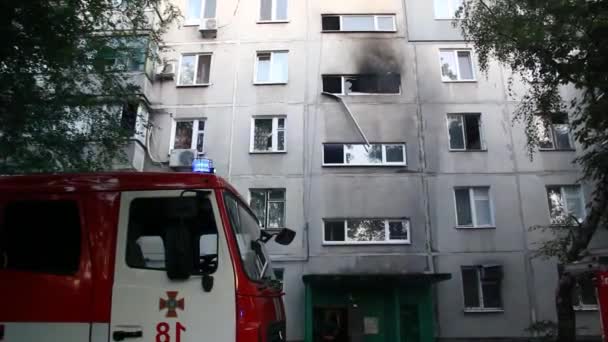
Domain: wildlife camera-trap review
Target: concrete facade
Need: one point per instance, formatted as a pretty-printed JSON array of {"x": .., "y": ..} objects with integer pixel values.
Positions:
[{"x": 422, "y": 191}]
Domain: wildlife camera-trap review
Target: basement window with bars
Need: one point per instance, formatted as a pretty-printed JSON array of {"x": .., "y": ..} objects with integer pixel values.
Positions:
[
  {"x": 385, "y": 84},
  {"x": 366, "y": 231},
  {"x": 465, "y": 132},
  {"x": 482, "y": 290},
  {"x": 363, "y": 155},
  {"x": 358, "y": 23},
  {"x": 194, "y": 70}
]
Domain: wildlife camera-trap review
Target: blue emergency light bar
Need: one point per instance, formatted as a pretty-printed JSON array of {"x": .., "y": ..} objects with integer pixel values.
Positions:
[{"x": 203, "y": 165}]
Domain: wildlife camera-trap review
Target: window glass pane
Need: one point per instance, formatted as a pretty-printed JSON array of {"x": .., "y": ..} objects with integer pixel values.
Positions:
[
  {"x": 543, "y": 132},
  {"x": 281, "y": 9},
  {"x": 394, "y": 153},
  {"x": 249, "y": 231},
  {"x": 265, "y": 9},
  {"x": 279, "y": 69},
  {"x": 365, "y": 230},
  {"x": 281, "y": 140},
  {"x": 491, "y": 294},
  {"x": 258, "y": 205},
  {"x": 455, "y": 129},
  {"x": 442, "y": 9},
  {"x": 330, "y": 23},
  {"x": 41, "y": 236},
  {"x": 397, "y": 230},
  {"x": 194, "y": 9},
  {"x": 358, "y": 155},
  {"x": 277, "y": 194},
  {"x": 586, "y": 290},
  {"x": 210, "y": 6},
  {"x": 334, "y": 231},
  {"x": 262, "y": 138},
  {"x": 263, "y": 71},
  {"x": 448, "y": 65},
  {"x": 332, "y": 84},
  {"x": 463, "y": 207},
  {"x": 202, "y": 73},
  {"x": 556, "y": 205},
  {"x": 357, "y": 23},
  {"x": 482, "y": 206},
  {"x": 465, "y": 65},
  {"x": 276, "y": 214},
  {"x": 200, "y": 142},
  {"x": 561, "y": 132},
  {"x": 183, "y": 135},
  {"x": 333, "y": 154},
  {"x": 281, "y": 123},
  {"x": 470, "y": 286},
  {"x": 187, "y": 70},
  {"x": 472, "y": 132},
  {"x": 385, "y": 23},
  {"x": 574, "y": 201}
]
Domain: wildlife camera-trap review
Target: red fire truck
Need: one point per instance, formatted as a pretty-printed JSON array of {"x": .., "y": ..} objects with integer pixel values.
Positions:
[{"x": 158, "y": 257}]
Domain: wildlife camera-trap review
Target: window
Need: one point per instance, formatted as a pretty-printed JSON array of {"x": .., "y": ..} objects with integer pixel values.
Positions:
[
  {"x": 189, "y": 135},
  {"x": 363, "y": 155},
  {"x": 194, "y": 70},
  {"x": 41, "y": 236},
  {"x": 198, "y": 9},
  {"x": 279, "y": 273},
  {"x": 456, "y": 65},
  {"x": 362, "y": 84},
  {"x": 273, "y": 10},
  {"x": 473, "y": 207},
  {"x": 269, "y": 207},
  {"x": 446, "y": 9},
  {"x": 121, "y": 54},
  {"x": 481, "y": 286},
  {"x": 584, "y": 296},
  {"x": 554, "y": 134},
  {"x": 564, "y": 202},
  {"x": 465, "y": 132},
  {"x": 355, "y": 23},
  {"x": 366, "y": 231},
  {"x": 128, "y": 117},
  {"x": 268, "y": 134},
  {"x": 271, "y": 67},
  {"x": 149, "y": 220}
]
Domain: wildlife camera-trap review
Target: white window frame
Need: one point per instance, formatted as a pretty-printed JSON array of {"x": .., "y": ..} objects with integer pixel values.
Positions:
[
  {"x": 562, "y": 193},
  {"x": 273, "y": 13},
  {"x": 343, "y": 82},
  {"x": 383, "y": 163},
  {"x": 452, "y": 7},
  {"x": 481, "y": 307},
  {"x": 375, "y": 16},
  {"x": 554, "y": 147},
  {"x": 404, "y": 220},
  {"x": 195, "y": 133},
  {"x": 482, "y": 139},
  {"x": 459, "y": 79},
  {"x": 473, "y": 208},
  {"x": 198, "y": 21},
  {"x": 275, "y": 134},
  {"x": 272, "y": 53},
  {"x": 179, "y": 69},
  {"x": 267, "y": 201}
]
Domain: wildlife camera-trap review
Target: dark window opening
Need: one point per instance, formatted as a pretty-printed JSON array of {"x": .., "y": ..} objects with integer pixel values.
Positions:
[
  {"x": 332, "y": 84},
  {"x": 279, "y": 273},
  {"x": 128, "y": 119},
  {"x": 372, "y": 84},
  {"x": 333, "y": 154},
  {"x": 330, "y": 23},
  {"x": 334, "y": 231},
  {"x": 473, "y": 136},
  {"x": 41, "y": 236}
]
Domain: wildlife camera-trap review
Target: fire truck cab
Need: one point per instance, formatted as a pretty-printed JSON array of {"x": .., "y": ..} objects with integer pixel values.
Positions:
[{"x": 158, "y": 257}]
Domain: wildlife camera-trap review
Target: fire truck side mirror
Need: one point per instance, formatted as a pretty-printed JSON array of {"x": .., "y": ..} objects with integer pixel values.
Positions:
[
  {"x": 285, "y": 236},
  {"x": 178, "y": 253}
]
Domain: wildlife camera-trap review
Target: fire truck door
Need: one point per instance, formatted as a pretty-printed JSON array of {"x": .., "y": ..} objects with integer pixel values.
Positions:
[{"x": 146, "y": 304}]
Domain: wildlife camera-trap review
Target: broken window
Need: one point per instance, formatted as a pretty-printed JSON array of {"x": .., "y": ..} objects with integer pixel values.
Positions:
[
  {"x": 273, "y": 10},
  {"x": 269, "y": 207},
  {"x": 194, "y": 69},
  {"x": 364, "y": 155},
  {"x": 268, "y": 134},
  {"x": 553, "y": 133},
  {"x": 473, "y": 207},
  {"x": 456, "y": 65},
  {"x": 465, "y": 132},
  {"x": 271, "y": 67},
  {"x": 482, "y": 287},
  {"x": 358, "y": 23},
  {"x": 367, "y": 231},
  {"x": 388, "y": 83},
  {"x": 564, "y": 202}
]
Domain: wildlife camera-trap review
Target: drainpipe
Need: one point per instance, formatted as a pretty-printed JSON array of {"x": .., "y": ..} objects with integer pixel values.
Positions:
[{"x": 349, "y": 113}]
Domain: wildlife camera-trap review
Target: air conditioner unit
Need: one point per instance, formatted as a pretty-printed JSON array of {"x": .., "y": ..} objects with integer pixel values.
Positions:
[
  {"x": 208, "y": 27},
  {"x": 167, "y": 72},
  {"x": 181, "y": 158}
]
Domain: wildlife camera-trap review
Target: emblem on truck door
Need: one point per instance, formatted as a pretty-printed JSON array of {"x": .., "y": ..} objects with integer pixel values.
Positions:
[{"x": 171, "y": 304}]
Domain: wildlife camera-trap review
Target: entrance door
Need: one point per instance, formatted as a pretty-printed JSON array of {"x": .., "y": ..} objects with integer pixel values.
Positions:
[
  {"x": 146, "y": 304},
  {"x": 410, "y": 323}
]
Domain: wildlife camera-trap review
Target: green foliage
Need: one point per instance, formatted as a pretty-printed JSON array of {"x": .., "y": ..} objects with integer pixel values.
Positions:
[{"x": 63, "y": 82}]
